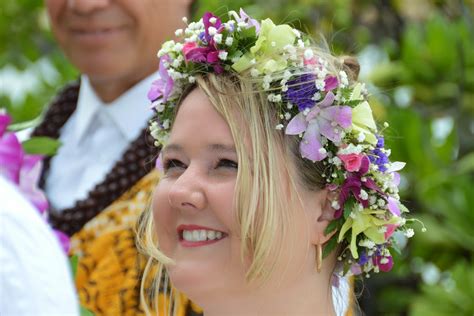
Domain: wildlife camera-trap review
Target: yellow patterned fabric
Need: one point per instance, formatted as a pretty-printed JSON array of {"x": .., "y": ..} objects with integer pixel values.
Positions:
[{"x": 109, "y": 268}]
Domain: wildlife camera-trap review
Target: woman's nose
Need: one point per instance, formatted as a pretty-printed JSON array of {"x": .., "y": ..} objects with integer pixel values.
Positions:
[
  {"x": 187, "y": 192},
  {"x": 87, "y": 6}
]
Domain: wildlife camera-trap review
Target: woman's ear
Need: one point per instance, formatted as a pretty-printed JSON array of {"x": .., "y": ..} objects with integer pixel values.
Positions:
[{"x": 322, "y": 219}]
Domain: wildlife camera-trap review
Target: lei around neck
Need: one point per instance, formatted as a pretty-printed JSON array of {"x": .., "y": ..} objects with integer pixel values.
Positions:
[{"x": 331, "y": 117}]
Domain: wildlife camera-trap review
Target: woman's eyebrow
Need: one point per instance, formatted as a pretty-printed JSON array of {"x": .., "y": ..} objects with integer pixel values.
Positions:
[
  {"x": 172, "y": 148},
  {"x": 222, "y": 148}
]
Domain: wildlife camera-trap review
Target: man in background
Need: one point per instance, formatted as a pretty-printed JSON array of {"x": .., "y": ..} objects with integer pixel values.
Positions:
[{"x": 102, "y": 176}]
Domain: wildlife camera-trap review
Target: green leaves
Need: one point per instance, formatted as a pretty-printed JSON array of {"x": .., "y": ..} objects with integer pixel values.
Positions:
[{"x": 41, "y": 146}]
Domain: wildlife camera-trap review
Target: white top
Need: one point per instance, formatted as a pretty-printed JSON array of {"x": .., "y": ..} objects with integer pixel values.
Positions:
[
  {"x": 94, "y": 139},
  {"x": 35, "y": 276}
]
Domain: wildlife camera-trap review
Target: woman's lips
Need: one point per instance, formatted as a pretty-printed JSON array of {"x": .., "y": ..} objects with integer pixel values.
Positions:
[{"x": 197, "y": 236}]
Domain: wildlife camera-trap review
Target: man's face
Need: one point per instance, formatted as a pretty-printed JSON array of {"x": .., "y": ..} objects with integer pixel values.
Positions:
[{"x": 115, "y": 39}]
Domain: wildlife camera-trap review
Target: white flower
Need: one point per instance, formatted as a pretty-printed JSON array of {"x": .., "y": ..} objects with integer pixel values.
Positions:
[
  {"x": 320, "y": 84},
  {"x": 343, "y": 77},
  {"x": 178, "y": 32},
  {"x": 409, "y": 233},
  {"x": 322, "y": 151},
  {"x": 308, "y": 54},
  {"x": 212, "y": 30},
  {"x": 218, "y": 38},
  {"x": 229, "y": 41},
  {"x": 242, "y": 24},
  {"x": 287, "y": 116},
  {"x": 367, "y": 243},
  {"x": 336, "y": 161},
  {"x": 300, "y": 44},
  {"x": 363, "y": 195},
  {"x": 297, "y": 33},
  {"x": 166, "y": 124},
  {"x": 213, "y": 20},
  {"x": 361, "y": 137},
  {"x": 381, "y": 202},
  {"x": 274, "y": 97},
  {"x": 279, "y": 126},
  {"x": 185, "y": 20},
  {"x": 335, "y": 205},
  {"x": 223, "y": 55},
  {"x": 384, "y": 260},
  {"x": 192, "y": 79},
  {"x": 316, "y": 96},
  {"x": 254, "y": 72}
]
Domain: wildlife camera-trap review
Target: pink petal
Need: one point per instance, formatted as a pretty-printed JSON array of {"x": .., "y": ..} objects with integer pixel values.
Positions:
[
  {"x": 327, "y": 101},
  {"x": 390, "y": 230},
  {"x": 5, "y": 120},
  {"x": 393, "y": 206},
  {"x": 11, "y": 157},
  {"x": 330, "y": 83},
  {"x": 341, "y": 115},
  {"x": 63, "y": 240},
  {"x": 310, "y": 145},
  {"x": 29, "y": 177},
  {"x": 396, "y": 179},
  {"x": 297, "y": 125}
]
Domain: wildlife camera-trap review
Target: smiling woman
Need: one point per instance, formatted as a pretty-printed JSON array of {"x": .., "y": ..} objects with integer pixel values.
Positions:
[{"x": 270, "y": 154}]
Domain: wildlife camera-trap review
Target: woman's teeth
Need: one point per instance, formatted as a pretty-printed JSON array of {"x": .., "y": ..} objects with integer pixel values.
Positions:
[{"x": 201, "y": 235}]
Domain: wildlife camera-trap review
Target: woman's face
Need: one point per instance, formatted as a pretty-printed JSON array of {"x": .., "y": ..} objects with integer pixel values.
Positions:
[
  {"x": 193, "y": 203},
  {"x": 194, "y": 213}
]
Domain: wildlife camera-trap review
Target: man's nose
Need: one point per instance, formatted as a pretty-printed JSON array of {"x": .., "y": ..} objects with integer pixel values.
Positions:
[
  {"x": 187, "y": 192},
  {"x": 87, "y": 6}
]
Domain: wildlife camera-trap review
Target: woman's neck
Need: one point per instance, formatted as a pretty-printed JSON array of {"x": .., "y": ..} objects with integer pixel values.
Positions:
[{"x": 307, "y": 296}]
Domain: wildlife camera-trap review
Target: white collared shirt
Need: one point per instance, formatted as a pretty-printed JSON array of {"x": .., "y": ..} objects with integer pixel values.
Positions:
[{"x": 94, "y": 139}]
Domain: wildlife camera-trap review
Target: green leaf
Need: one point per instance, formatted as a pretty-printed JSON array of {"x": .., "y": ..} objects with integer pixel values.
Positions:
[
  {"x": 348, "y": 207},
  {"x": 74, "y": 260},
  {"x": 41, "y": 145},
  {"x": 331, "y": 227},
  {"x": 85, "y": 312},
  {"x": 330, "y": 246}
]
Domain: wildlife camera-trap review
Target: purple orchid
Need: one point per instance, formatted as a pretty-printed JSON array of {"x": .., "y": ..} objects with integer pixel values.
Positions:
[
  {"x": 207, "y": 24},
  {"x": 163, "y": 87},
  {"x": 330, "y": 83},
  {"x": 5, "y": 120},
  {"x": 323, "y": 119},
  {"x": 354, "y": 183},
  {"x": 11, "y": 157},
  {"x": 24, "y": 171},
  {"x": 244, "y": 17},
  {"x": 30, "y": 174}
]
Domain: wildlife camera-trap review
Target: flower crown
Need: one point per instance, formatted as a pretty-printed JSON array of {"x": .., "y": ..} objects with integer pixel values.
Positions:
[{"x": 331, "y": 117}]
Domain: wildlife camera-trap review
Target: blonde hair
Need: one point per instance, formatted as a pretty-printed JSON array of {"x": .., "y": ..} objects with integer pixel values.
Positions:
[{"x": 263, "y": 195}]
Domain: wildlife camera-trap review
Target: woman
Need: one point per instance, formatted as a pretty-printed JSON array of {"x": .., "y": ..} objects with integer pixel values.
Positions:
[{"x": 275, "y": 180}]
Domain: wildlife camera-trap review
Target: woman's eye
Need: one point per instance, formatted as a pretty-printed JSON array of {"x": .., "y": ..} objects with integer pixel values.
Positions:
[
  {"x": 227, "y": 163},
  {"x": 172, "y": 164}
]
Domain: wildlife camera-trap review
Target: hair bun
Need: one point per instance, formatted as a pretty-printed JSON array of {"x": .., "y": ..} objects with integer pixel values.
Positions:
[{"x": 351, "y": 66}]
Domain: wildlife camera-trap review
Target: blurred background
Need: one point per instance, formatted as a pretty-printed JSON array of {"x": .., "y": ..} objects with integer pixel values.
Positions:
[{"x": 417, "y": 57}]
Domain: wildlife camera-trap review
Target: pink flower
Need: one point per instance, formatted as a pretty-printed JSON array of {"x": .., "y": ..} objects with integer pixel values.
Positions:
[
  {"x": 386, "y": 266},
  {"x": 390, "y": 230},
  {"x": 352, "y": 162},
  {"x": 188, "y": 47}
]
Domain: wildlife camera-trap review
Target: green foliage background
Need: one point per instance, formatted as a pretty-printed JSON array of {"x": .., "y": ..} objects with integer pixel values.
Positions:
[{"x": 418, "y": 57}]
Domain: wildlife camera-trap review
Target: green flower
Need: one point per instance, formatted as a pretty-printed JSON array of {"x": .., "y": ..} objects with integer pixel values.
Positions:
[
  {"x": 366, "y": 222},
  {"x": 266, "y": 53}
]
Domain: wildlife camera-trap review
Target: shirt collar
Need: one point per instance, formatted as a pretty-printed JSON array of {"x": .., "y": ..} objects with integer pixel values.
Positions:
[{"x": 130, "y": 112}]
